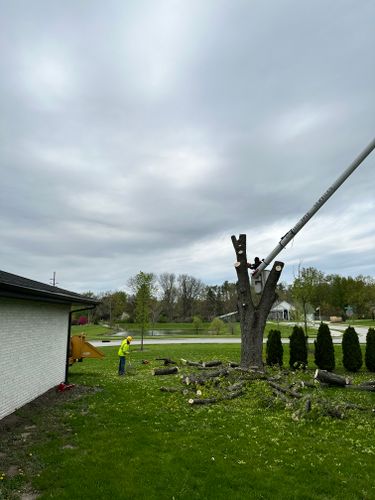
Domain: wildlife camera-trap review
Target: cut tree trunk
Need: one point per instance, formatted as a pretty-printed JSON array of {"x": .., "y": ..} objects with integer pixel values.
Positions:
[
  {"x": 330, "y": 378},
  {"x": 253, "y": 317}
]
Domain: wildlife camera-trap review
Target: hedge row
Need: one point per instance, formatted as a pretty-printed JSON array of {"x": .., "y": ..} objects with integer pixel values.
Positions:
[{"x": 324, "y": 350}]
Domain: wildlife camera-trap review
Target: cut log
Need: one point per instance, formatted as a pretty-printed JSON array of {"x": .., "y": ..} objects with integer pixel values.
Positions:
[
  {"x": 201, "y": 380},
  {"x": 331, "y": 378},
  {"x": 368, "y": 382},
  {"x": 190, "y": 363},
  {"x": 211, "y": 364},
  {"x": 167, "y": 361},
  {"x": 369, "y": 388},
  {"x": 232, "y": 364},
  {"x": 170, "y": 389},
  {"x": 165, "y": 371}
]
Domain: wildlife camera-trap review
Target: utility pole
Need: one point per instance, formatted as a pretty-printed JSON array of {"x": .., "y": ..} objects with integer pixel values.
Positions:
[
  {"x": 53, "y": 279},
  {"x": 325, "y": 196}
]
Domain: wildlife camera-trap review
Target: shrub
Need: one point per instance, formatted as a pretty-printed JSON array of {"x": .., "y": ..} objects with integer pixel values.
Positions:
[
  {"x": 324, "y": 351},
  {"x": 82, "y": 320},
  {"x": 351, "y": 350},
  {"x": 370, "y": 350},
  {"x": 274, "y": 348},
  {"x": 217, "y": 325},
  {"x": 297, "y": 348}
]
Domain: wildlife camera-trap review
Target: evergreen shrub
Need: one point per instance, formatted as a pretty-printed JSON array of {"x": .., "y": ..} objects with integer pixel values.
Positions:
[
  {"x": 324, "y": 351},
  {"x": 297, "y": 348},
  {"x": 351, "y": 350},
  {"x": 274, "y": 348},
  {"x": 370, "y": 350}
]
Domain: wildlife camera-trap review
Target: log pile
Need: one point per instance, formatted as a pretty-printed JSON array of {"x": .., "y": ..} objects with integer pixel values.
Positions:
[{"x": 304, "y": 398}]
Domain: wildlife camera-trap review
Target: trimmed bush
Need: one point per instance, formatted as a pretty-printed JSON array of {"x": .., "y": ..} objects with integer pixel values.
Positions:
[
  {"x": 370, "y": 350},
  {"x": 274, "y": 348},
  {"x": 324, "y": 351},
  {"x": 297, "y": 348},
  {"x": 351, "y": 350}
]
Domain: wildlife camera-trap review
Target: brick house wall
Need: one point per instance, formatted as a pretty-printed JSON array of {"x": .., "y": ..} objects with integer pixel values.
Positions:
[{"x": 33, "y": 340}]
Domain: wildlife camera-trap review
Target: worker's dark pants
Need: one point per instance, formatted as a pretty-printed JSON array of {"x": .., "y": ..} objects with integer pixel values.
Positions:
[{"x": 121, "y": 366}]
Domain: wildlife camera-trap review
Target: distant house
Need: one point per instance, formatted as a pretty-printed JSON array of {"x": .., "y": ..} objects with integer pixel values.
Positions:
[
  {"x": 281, "y": 311},
  {"x": 34, "y": 337}
]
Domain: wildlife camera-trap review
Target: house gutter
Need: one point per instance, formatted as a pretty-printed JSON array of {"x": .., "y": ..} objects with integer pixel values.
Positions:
[{"x": 69, "y": 336}]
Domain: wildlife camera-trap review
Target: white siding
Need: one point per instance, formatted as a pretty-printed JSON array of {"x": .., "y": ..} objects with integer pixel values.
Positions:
[{"x": 33, "y": 337}]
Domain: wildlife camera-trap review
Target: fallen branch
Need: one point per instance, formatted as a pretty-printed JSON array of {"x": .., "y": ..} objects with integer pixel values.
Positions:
[
  {"x": 206, "y": 401},
  {"x": 285, "y": 390}
]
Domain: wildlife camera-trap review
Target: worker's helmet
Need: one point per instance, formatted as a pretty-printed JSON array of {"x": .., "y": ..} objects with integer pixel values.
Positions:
[{"x": 129, "y": 339}]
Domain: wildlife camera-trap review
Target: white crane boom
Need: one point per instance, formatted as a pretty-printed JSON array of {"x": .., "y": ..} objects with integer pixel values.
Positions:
[{"x": 325, "y": 196}]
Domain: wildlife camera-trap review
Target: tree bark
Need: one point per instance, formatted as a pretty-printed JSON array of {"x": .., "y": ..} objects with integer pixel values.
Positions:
[
  {"x": 331, "y": 378},
  {"x": 253, "y": 317}
]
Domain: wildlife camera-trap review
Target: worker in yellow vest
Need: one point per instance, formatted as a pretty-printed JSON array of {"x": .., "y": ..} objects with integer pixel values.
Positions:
[{"x": 123, "y": 353}]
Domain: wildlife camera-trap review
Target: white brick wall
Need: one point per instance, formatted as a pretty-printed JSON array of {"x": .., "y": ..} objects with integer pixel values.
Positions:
[{"x": 33, "y": 337}]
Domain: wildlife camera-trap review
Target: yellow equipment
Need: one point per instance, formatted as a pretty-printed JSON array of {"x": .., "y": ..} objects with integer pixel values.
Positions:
[{"x": 80, "y": 349}]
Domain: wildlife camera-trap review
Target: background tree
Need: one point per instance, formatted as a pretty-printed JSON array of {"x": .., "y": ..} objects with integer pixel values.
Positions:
[
  {"x": 274, "y": 348},
  {"x": 143, "y": 285},
  {"x": 189, "y": 291},
  {"x": 324, "y": 350},
  {"x": 305, "y": 289},
  {"x": 297, "y": 348},
  {"x": 351, "y": 350},
  {"x": 167, "y": 283},
  {"x": 197, "y": 324},
  {"x": 217, "y": 326},
  {"x": 370, "y": 350}
]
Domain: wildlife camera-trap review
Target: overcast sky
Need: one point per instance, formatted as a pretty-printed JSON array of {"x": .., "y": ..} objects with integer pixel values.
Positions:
[{"x": 140, "y": 135}]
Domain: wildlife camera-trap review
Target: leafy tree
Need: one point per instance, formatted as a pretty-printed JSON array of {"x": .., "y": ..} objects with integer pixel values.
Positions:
[
  {"x": 197, "y": 324},
  {"x": 324, "y": 350},
  {"x": 370, "y": 350},
  {"x": 217, "y": 325},
  {"x": 305, "y": 289},
  {"x": 274, "y": 349},
  {"x": 143, "y": 285},
  {"x": 351, "y": 350},
  {"x": 297, "y": 348}
]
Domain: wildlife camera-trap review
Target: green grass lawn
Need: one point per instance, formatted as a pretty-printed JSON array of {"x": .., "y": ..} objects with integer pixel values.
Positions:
[{"x": 130, "y": 440}]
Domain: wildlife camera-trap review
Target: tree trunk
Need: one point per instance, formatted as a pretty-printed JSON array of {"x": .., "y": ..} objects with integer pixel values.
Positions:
[{"x": 253, "y": 317}]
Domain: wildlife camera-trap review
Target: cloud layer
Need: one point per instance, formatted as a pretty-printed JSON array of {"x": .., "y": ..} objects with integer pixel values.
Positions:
[{"x": 141, "y": 135}]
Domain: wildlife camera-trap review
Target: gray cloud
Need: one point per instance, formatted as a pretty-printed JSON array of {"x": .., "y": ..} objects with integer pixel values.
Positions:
[{"x": 141, "y": 135}]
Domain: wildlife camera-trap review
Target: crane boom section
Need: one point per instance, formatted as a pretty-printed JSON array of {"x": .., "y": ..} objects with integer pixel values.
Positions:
[{"x": 325, "y": 196}]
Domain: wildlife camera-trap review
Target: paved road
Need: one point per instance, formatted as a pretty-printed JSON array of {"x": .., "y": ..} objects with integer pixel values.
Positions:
[{"x": 336, "y": 332}]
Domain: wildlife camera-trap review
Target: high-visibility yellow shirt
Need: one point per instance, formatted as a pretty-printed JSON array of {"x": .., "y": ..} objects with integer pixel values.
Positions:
[{"x": 124, "y": 348}]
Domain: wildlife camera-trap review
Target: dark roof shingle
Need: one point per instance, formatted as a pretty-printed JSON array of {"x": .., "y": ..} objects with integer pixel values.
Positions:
[{"x": 12, "y": 285}]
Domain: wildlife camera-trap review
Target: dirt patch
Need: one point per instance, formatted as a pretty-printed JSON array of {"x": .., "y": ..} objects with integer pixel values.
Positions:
[{"x": 25, "y": 428}]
